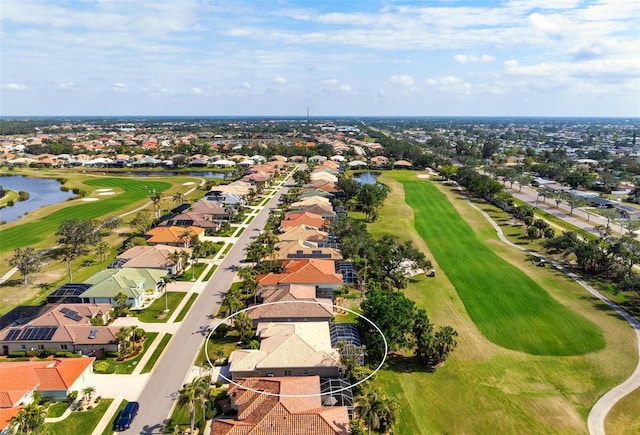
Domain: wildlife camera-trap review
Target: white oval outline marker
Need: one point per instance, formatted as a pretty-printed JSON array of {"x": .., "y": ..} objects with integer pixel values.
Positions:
[{"x": 206, "y": 352}]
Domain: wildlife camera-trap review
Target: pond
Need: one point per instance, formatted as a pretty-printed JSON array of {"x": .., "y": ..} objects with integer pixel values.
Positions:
[
  {"x": 366, "y": 177},
  {"x": 42, "y": 191}
]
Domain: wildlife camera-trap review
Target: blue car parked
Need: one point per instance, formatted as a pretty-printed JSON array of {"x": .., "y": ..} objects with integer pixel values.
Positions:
[{"x": 127, "y": 415}]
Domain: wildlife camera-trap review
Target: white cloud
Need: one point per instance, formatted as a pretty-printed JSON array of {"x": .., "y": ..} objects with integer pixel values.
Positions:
[
  {"x": 451, "y": 84},
  {"x": 119, "y": 87},
  {"x": 280, "y": 80},
  {"x": 246, "y": 85},
  {"x": 196, "y": 91},
  {"x": 15, "y": 87},
  {"x": 66, "y": 86},
  {"x": 405, "y": 80},
  {"x": 470, "y": 58},
  {"x": 345, "y": 88}
]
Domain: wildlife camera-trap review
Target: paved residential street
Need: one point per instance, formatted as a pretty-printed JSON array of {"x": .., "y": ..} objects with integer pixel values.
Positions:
[{"x": 172, "y": 371}]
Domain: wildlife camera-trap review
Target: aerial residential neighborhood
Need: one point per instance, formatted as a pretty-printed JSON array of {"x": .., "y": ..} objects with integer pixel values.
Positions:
[{"x": 235, "y": 280}]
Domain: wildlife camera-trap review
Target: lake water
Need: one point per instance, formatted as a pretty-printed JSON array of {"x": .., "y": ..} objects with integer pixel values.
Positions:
[
  {"x": 366, "y": 177},
  {"x": 42, "y": 191}
]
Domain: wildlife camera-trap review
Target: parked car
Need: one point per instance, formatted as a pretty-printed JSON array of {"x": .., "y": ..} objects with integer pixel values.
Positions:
[{"x": 127, "y": 415}]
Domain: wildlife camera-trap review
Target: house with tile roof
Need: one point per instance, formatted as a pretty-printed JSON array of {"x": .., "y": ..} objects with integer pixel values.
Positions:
[
  {"x": 173, "y": 235},
  {"x": 51, "y": 378},
  {"x": 290, "y": 303},
  {"x": 299, "y": 249},
  {"x": 320, "y": 273},
  {"x": 296, "y": 218},
  {"x": 303, "y": 232},
  {"x": 140, "y": 285},
  {"x": 292, "y": 405},
  {"x": 64, "y": 327},
  {"x": 288, "y": 349},
  {"x": 152, "y": 257}
]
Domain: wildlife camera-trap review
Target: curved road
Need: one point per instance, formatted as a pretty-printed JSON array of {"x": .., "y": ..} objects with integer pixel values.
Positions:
[
  {"x": 598, "y": 413},
  {"x": 158, "y": 396}
]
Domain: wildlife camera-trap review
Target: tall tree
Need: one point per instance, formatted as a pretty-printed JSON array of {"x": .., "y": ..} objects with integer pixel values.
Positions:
[
  {"x": 76, "y": 234},
  {"x": 27, "y": 261},
  {"x": 243, "y": 324},
  {"x": 192, "y": 394}
]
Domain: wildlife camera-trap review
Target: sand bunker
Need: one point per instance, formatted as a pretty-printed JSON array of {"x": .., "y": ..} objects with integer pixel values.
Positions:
[
  {"x": 106, "y": 193},
  {"x": 423, "y": 175},
  {"x": 188, "y": 183},
  {"x": 89, "y": 199},
  {"x": 104, "y": 190}
]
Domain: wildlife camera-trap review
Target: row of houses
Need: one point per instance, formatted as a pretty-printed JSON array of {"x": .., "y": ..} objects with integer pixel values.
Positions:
[{"x": 292, "y": 383}]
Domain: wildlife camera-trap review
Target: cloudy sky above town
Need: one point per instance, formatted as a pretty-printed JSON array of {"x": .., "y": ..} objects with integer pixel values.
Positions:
[{"x": 339, "y": 58}]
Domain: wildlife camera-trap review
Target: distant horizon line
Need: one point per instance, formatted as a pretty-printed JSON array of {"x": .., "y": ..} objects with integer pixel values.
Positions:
[{"x": 297, "y": 117}]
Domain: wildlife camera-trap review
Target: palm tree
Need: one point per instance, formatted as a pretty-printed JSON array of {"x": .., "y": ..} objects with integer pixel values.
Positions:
[
  {"x": 178, "y": 198},
  {"x": 88, "y": 392},
  {"x": 155, "y": 198},
  {"x": 29, "y": 418},
  {"x": 191, "y": 394},
  {"x": 243, "y": 324},
  {"x": 185, "y": 237},
  {"x": 122, "y": 336},
  {"x": 372, "y": 408}
]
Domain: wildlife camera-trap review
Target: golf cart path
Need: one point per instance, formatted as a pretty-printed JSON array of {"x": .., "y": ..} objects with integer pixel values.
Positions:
[{"x": 598, "y": 413}]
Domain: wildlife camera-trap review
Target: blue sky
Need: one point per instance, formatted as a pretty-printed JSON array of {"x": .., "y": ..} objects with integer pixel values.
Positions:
[{"x": 339, "y": 58}]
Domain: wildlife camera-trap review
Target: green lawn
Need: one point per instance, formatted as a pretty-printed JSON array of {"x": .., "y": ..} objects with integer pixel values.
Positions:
[
  {"x": 180, "y": 317},
  {"x": 80, "y": 422},
  {"x": 508, "y": 307},
  {"x": 125, "y": 367},
  {"x": 57, "y": 409},
  {"x": 31, "y": 233},
  {"x": 156, "y": 353},
  {"x": 109, "y": 429},
  {"x": 484, "y": 388},
  {"x": 152, "y": 314},
  {"x": 193, "y": 273}
]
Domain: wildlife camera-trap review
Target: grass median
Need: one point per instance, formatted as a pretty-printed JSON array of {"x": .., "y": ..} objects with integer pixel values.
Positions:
[{"x": 155, "y": 356}]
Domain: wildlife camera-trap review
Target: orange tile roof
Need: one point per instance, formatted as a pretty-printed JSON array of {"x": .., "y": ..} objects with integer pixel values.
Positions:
[
  {"x": 6, "y": 415},
  {"x": 307, "y": 271},
  {"x": 17, "y": 378},
  {"x": 171, "y": 234},
  {"x": 302, "y": 218},
  {"x": 261, "y": 414}
]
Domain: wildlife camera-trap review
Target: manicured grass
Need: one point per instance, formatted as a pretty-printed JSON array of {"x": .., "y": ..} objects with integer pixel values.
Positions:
[
  {"x": 180, "y": 417},
  {"x": 81, "y": 422},
  {"x": 156, "y": 353},
  {"x": 624, "y": 417},
  {"x": 57, "y": 409},
  {"x": 508, "y": 307},
  {"x": 193, "y": 273},
  {"x": 228, "y": 344},
  {"x": 180, "y": 317},
  {"x": 31, "y": 233},
  {"x": 482, "y": 386},
  {"x": 109, "y": 429},
  {"x": 210, "y": 273},
  {"x": 128, "y": 366},
  {"x": 153, "y": 312}
]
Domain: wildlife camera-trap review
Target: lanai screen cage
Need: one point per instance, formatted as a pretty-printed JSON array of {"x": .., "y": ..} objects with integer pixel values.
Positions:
[
  {"x": 337, "y": 392},
  {"x": 346, "y": 338}
]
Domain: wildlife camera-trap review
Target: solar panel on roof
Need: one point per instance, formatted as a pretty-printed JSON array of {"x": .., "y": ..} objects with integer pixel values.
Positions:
[
  {"x": 64, "y": 310},
  {"x": 13, "y": 334},
  {"x": 37, "y": 333},
  {"x": 73, "y": 315}
]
